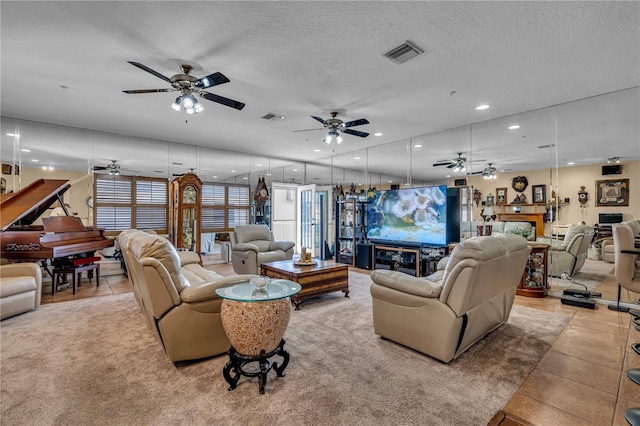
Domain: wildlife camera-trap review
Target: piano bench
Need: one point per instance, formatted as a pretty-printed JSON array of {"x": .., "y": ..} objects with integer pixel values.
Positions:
[{"x": 76, "y": 272}]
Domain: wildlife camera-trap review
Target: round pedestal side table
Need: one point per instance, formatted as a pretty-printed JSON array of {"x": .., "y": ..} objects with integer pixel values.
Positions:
[{"x": 255, "y": 320}]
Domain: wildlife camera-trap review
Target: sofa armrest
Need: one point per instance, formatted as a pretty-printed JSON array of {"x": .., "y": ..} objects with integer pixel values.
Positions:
[
  {"x": 406, "y": 283},
  {"x": 281, "y": 245},
  {"x": 245, "y": 247},
  {"x": 21, "y": 270},
  {"x": 207, "y": 291},
  {"x": 553, "y": 243}
]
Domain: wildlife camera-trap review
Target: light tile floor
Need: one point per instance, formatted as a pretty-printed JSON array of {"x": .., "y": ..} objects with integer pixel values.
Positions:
[{"x": 581, "y": 380}]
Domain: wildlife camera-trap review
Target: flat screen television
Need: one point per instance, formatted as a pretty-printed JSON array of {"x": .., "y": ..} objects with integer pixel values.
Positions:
[
  {"x": 609, "y": 218},
  {"x": 412, "y": 216}
]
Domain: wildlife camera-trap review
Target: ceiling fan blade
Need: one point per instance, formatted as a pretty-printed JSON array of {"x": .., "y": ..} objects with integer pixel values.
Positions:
[
  {"x": 476, "y": 173},
  {"x": 211, "y": 80},
  {"x": 100, "y": 168},
  {"x": 359, "y": 122},
  {"x": 150, "y": 71},
  {"x": 221, "y": 100},
  {"x": 319, "y": 119},
  {"x": 147, "y": 91},
  {"x": 306, "y": 130},
  {"x": 448, "y": 163},
  {"x": 355, "y": 133}
]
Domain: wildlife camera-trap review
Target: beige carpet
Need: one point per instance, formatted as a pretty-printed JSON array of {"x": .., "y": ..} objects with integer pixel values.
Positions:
[{"x": 93, "y": 361}]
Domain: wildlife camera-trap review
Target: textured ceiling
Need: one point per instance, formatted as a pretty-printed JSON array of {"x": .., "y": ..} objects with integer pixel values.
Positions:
[{"x": 66, "y": 63}]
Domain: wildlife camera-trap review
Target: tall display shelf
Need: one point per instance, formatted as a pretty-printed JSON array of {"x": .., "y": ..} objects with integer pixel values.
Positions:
[{"x": 350, "y": 229}]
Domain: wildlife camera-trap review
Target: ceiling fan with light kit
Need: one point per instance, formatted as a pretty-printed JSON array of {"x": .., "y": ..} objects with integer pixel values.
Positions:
[
  {"x": 189, "y": 85},
  {"x": 457, "y": 164},
  {"x": 335, "y": 127},
  {"x": 113, "y": 168}
]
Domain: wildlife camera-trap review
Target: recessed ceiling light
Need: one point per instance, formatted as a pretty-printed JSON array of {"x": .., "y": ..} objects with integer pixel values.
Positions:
[
  {"x": 12, "y": 134},
  {"x": 389, "y": 181},
  {"x": 34, "y": 160},
  {"x": 25, "y": 150},
  {"x": 258, "y": 165},
  {"x": 417, "y": 146},
  {"x": 215, "y": 177},
  {"x": 377, "y": 134},
  {"x": 233, "y": 171},
  {"x": 295, "y": 170},
  {"x": 356, "y": 158},
  {"x": 448, "y": 176},
  {"x": 515, "y": 126},
  {"x": 268, "y": 174},
  {"x": 570, "y": 163},
  {"x": 245, "y": 178},
  {"x": 481, "y": 107},
  {"x": 316, "y": 150}
]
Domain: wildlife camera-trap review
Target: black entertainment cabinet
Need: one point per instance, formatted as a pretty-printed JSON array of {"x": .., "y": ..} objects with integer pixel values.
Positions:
[{"x": 416, "y": 261}]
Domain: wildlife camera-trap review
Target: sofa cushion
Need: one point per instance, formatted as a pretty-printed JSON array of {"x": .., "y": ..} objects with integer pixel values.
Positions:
[
  {"x": 161, "y": 249},
  {"x": 519, "y": 228},
  {"x": 252, "y": 233},
  {"x": 16, "y": 285}
]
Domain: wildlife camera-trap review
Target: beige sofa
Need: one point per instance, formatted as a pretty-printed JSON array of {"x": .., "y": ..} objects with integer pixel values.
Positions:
[
  {"x": 446, "y": 313},
  {"x": 177, "y": 295},
  {"x": 567, "y": 256},
  {"x": 525, "y": 229},
  {"x": 253, "y": 245},
  {"x": 607, "y": 248},
  {"x": 20, "y": 288}
]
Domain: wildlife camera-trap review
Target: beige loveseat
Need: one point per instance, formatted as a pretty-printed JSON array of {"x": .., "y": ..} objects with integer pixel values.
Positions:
[
  {"x": 446, "y": 313},
  {"x": 20, "y": 288},
  {"x": 177, "y": 295},
  {"x": 253, "y": 245},
  {"x": 525, "y": 229},
  {"x": 567, "y": 256}
]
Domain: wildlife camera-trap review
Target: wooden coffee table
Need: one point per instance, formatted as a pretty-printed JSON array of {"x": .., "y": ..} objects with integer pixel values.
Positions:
[{"x": 325, "y": 277}]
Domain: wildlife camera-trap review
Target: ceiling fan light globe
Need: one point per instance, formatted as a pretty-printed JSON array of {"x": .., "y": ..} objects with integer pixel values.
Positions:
[
  {"x": 198, "y": 107},
  {"x": 327, "y": 139},
  {"x": 188, "y": 102},
  {"x": 190, "y": 111},
  {"x": 339, "y": 139}
]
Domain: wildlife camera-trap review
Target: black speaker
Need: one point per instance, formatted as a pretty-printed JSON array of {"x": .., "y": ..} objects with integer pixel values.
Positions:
[
  {"x": 613, "y": 169},
  {"x": 460, "y": 182},
  {"x": 363, "y": 256},
  {"x": 395, "y": 186}
]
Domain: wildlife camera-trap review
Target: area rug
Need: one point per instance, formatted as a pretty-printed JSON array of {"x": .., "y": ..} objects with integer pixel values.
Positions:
[{"x": 94, "y": 361}]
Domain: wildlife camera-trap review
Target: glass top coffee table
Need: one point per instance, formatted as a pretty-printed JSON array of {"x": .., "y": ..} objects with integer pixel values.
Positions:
[{"x": 255, "y": 315}]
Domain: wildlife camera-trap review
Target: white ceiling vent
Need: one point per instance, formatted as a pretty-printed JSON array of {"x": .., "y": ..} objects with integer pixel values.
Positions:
[
  {"x": 404, "y": 52},
  {"x": 272, "y": 116}
]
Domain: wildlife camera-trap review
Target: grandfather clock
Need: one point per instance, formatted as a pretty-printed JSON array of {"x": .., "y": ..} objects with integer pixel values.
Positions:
[{"x": 186, "y": 214}]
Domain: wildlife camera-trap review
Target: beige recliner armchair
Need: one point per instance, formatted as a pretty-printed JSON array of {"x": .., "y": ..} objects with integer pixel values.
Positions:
[
  {"x": 20, "y": 288},
  {"x": 444, "y": 318},
  {"x": 253, "y": 245},
  {"x": 177, "y": 296},
  {"x": 568, "y": 255}
]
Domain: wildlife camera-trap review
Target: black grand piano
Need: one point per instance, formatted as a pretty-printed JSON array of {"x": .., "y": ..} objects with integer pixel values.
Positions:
[{"x": 58, "y": 239}]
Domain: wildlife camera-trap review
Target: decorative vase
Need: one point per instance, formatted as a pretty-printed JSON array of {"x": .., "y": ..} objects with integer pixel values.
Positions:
[
  {"x": 488, "y": 229},
  {"x": 480, "y": 230}
]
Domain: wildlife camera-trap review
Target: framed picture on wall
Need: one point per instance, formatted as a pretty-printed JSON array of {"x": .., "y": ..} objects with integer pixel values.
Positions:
[
  {"x": 539, "y": 194},
  {"x": 489, "y": 201},
  {"x": 501, "y": 196},
  {"x": 612, "y": 192}
]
